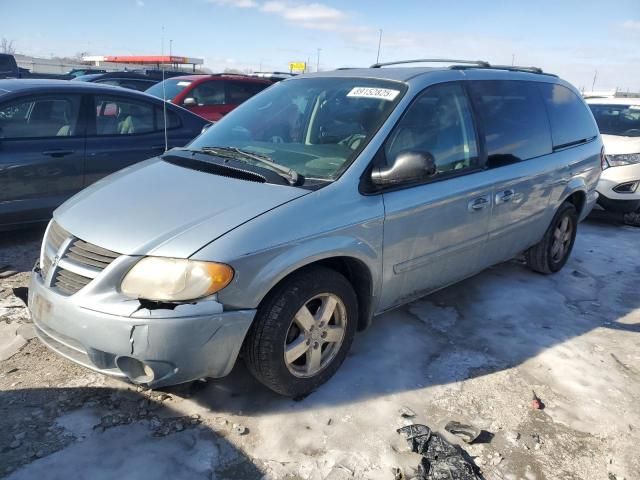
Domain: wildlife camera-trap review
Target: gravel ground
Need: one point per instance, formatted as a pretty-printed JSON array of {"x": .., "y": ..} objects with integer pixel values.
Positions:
[{"x": 473, "y": 352}]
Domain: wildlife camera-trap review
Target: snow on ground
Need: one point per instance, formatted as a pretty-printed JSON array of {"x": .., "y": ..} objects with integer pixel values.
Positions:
[{"x": 473, "y": 352}]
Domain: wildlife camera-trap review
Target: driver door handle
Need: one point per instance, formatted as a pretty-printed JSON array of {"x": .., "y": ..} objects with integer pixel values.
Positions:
[
  {"x": 57, "y": 153},
  {"x": 479, "y": 203}
]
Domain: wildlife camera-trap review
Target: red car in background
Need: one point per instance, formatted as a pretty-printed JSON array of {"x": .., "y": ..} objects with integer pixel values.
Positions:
[{"x": 210, "y": 96}]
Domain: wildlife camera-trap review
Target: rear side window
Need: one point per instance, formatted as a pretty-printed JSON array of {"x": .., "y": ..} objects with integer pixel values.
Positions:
[
  {"x": 571, "y": 121},
  {"x": 208, "y": 93},
  {"x": 121, "y": 116},
  {"x": 241, "y": 91},
  {"x": 514, "y": 120},
  {"x": 36, "y": 117}
]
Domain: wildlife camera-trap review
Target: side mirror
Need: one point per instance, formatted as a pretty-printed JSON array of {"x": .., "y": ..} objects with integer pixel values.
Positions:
[
  {"x": 406, "y": 167},
  {"x": 207, "y": 126},
  {"x": 189, "y": 102}
]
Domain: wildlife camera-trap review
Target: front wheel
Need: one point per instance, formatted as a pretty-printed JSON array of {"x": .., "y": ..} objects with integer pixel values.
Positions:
[
  {"x": 552, "y": 252},
  {"x": 302, "y": 331}
]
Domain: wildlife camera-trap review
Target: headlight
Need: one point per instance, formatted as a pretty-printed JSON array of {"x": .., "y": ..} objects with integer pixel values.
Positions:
[
  {"x": 624, "y": 159},
  {"x": 174, "y": 279}
]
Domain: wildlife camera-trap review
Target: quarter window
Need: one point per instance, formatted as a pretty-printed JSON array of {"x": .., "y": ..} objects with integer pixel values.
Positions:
[
  {"x": 514, "y": 120},
  {"x": 241, "y": 91},
  {"x": 571, "y": 122},
  {"x": 50, "y": 116},
  {"x": 119, "y": 116},
  {"x": 438, "y": 122},
  {"x": 208, "y": 93}
]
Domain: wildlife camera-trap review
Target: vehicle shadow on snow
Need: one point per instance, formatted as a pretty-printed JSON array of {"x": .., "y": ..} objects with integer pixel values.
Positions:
[
  {"x": 491, "y": 322},
  {"x": 106, "y": 433}
]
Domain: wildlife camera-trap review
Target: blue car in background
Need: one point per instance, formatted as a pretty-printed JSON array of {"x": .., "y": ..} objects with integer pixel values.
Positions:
[{"x": 57, "y": 137}]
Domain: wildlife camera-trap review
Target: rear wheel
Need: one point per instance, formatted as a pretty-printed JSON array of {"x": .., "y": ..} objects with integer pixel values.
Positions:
[
  {"x": 302, "y": 331},
  {"x": 552, "y": 252}
]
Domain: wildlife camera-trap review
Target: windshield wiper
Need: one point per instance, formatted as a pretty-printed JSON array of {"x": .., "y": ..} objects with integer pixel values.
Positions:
[{"x": 293, "y": 177}]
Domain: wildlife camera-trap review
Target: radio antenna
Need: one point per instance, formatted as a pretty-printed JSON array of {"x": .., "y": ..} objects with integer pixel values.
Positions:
[{"x": 164, "y": 98}]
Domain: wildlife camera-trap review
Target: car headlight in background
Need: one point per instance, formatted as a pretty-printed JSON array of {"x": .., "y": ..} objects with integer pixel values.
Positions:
[
  {"x": 623, "y": 159},
  {"x": 174, "y": 279}
]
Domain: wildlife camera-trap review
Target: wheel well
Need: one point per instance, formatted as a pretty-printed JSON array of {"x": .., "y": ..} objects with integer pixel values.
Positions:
[
  {"x": 577, "y": 199},
  {"x": 358, "y": 275}
]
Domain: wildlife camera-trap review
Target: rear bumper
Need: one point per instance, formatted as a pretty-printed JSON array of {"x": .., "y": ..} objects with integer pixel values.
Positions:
[{"x": 155, "y": 348}]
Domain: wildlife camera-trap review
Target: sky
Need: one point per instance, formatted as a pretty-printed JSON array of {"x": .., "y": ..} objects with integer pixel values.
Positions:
[{"x": 571, "y": 38}]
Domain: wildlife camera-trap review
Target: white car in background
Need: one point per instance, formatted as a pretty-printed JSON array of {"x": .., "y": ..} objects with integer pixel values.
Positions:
[{"x": 619, "y": 123}]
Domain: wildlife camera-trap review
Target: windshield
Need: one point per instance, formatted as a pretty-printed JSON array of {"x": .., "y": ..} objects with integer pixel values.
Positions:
[
  {"x": 172, "y": 88},
  {"x": 314, "y": 126},
  {"x": 623, "y": 120}
]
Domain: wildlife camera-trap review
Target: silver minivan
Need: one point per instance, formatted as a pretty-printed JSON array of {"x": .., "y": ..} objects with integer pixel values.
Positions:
[{"x": 320, "y": 203}]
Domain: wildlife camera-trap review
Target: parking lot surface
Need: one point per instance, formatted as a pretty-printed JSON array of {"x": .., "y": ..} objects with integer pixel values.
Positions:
[{"x": 474, "y": 352}]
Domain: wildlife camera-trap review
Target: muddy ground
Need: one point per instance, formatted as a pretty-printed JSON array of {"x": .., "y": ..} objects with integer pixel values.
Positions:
[{"x": 473, "y": 352}]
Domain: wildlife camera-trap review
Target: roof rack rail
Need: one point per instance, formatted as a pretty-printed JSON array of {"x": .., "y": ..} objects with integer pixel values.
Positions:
[
  {"x": 478, "y": 63},
  {"x": 510, "y": 68},
  {"x": 464, "y": 64}
]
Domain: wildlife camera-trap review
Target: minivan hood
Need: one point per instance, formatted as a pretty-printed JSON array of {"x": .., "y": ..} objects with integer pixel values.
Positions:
[
  {"x": 162, "y": 209},
  {"x": 619, "y": 145}
]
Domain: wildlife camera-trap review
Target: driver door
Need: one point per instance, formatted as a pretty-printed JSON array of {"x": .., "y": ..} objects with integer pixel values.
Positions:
[{"x": 435, "y": 232}]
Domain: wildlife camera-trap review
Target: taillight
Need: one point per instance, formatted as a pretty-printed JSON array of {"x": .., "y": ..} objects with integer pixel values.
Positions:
[{"x": 603, "y": 159}]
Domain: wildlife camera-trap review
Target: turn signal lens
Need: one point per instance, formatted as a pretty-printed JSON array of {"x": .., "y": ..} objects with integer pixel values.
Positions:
[{"x": 174, "y": 279}]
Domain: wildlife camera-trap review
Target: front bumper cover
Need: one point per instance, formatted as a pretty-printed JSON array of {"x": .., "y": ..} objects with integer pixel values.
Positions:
[{"x": 174, "y": 345}]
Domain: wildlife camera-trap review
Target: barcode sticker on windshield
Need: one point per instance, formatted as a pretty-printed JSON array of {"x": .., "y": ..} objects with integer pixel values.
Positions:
[{"x": 370, "y": 92}]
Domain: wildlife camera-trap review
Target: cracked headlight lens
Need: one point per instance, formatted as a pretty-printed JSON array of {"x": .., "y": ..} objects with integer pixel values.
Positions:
[
  {"x": 623, "y": 159},
  {"x": 174, "y": 279}
]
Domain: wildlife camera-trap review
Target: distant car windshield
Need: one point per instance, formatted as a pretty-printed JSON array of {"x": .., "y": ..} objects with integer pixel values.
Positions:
[
  {"x": 172, "y": 88},
  {"x": 623, "y": 120},
  {"x": 315, "y": 126}
]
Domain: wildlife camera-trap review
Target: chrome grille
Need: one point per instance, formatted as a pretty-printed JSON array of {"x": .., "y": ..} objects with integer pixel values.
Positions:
[
  {"x": 88, "y": 254},
  {"x": 69, "y": 282},
  {"x": 56, "y": 235},
  {"x": 80, "y": 261}
]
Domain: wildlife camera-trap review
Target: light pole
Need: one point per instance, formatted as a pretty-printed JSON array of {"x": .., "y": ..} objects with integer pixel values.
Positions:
[
  {"x": 379, "y": 44},
  {"x": 318, "y": 61}
]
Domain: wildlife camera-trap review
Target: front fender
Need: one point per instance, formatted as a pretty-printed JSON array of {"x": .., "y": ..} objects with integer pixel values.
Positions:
[{"x": 258, "y": 273}]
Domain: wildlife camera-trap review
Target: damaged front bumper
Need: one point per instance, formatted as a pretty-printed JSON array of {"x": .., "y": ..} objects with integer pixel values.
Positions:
[{"x": 154, "y": 347}]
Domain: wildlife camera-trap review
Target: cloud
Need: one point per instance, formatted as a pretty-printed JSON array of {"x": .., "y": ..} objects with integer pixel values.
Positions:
[
  {"x": 309, "y": 12},
  {"x": 235, "y": 3},
  {"x": 631, "y": 24},
  {"x": 316, "y": 16}
]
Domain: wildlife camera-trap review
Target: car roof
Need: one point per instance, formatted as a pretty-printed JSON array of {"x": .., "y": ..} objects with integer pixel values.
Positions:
[
  {"x": 35, "y": 85},
  {"x": 419, "y": 74},
  {"x": 613, "y": 101}
]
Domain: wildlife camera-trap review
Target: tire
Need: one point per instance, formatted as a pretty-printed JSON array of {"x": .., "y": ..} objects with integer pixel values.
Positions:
[
  {"x": 541, "y": 257},
  {"x": 282, "y": 327}
]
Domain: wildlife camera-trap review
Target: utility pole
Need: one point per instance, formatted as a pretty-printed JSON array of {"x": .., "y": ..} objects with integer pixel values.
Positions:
[
  {"x": 170, "y": 47},
  {"x": 379, "y": 44},
  {"x": 318, "y": 61},
  {"x": 593, "y": 85},
  {"x": 513, "y": 59}
]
